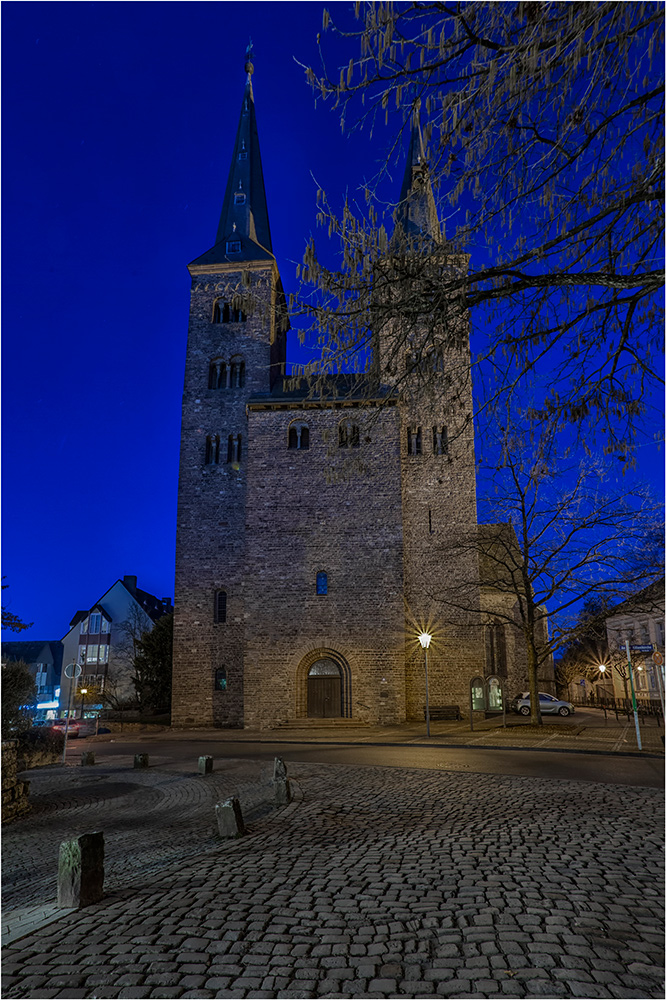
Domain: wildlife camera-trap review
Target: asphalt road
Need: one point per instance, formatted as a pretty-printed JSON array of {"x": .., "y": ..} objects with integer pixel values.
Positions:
[{"x": 183, "y": 753}]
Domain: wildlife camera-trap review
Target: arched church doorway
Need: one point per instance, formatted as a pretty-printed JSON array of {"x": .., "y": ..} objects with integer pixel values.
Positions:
[{"x": 325, "y": 690}]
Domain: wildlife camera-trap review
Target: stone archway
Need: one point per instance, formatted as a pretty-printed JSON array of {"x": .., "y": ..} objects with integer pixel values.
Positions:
[{"x": 323, "y": 686}]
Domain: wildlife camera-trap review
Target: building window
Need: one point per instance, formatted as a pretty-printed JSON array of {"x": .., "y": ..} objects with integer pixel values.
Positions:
[
  {"x": 103, "y": 653},
  {"x": 299, "y": 436},
  {"x": 82, "y": 654},
  {"x": 440, "y": 441},
  {"x": 213, "y": 449},
  {"x": 220, "y": 609},
  {"x": 236, "y": 373},
  {"x": 95, "y": 624},
  {"x": 84, "y": 626},
  {"x": 233, "y": 246},
  {"x": 348, "y": 436},
  {"x": 659, "y": 632},
  {"x": 239, "y": 198},
  {"x": 496, "y": 650},
  {"x": 322, "y": 582},
  {"x": 92, "y": 653},
  {"x": 414, "y": 441},
  {"x": 234, "y": 449},
  {"x": 221, "y": 679},
  {"x": 106, "y": 625},
  {"x": 217, "y": 375}
]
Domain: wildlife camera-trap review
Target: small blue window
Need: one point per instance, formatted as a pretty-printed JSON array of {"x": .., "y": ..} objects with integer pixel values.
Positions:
[
  {"x": 322, "y": 583},
  {"x": 221, "y": 679}
]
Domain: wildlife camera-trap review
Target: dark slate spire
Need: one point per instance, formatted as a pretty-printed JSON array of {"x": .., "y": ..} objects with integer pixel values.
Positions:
[
  {"x": 244, "y": 217},
  {"x": 416, "y": 212}
]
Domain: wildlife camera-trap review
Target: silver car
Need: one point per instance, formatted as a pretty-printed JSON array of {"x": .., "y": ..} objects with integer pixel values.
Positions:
[{"x": 547, "y": 704}]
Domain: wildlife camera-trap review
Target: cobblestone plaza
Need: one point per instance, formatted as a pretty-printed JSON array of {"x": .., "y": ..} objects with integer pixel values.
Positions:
[{"x": 374, "y": 882}]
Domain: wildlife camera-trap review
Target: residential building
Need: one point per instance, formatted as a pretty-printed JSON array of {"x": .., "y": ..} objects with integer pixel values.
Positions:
[
  {"x": 640, "y": 621},
  {"x": 44, "y": 658},
  {"x": 101, "y": 643}
]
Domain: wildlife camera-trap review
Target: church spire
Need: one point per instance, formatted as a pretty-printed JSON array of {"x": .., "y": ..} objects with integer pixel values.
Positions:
[
  {"x": 416, "y": 212},
  {"x": 243, "y": 233}
]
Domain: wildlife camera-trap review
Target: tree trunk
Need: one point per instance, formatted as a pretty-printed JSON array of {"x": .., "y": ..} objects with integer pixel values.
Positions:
[{"x": 532, "y": 667}]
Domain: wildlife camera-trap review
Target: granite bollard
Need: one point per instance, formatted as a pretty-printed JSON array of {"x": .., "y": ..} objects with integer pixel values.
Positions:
[
  {"x": 205, "y": 765},
  {"x": 87, "y": 758},
  {"x": 81, "y": 870},
  {"x": 229, "y": 818},
  {"x": 281, "y": 786},
  {"x": 141, "y": 760}
]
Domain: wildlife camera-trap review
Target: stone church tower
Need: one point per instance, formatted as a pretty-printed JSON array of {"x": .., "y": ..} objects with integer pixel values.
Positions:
[{"x": 315, "y": 534}]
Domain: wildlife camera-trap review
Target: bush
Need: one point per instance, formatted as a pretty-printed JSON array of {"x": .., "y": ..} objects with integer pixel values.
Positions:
[{"x": 35, "y": 741}]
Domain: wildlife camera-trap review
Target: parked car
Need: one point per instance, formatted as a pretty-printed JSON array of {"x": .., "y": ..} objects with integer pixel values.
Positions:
[
  {"x": 59, "y": 726},
  {"x": 547, "y": 704}
]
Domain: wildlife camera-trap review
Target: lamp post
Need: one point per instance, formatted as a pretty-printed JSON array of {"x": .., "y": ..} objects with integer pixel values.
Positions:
[
  {"x": 424, "y": 639},
  {"x": 84, "y": 692},
  {"x": 602, "y": 671}
]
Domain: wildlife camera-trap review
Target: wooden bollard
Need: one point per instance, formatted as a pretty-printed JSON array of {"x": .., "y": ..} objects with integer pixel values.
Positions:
[
  {"x": 87, "y": 758},
  {"x": 81, "y": 870},
  {"x": 205, "y": 765},
  {"x": 229, "y": 818},
  {"x": 141, "y": 760}
]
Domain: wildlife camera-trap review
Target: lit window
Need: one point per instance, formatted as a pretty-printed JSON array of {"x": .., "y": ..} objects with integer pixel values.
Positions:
[
  {"x": 84, "y": 626},
  {"x": 95, "y": 624},
  {"x": 220, "y": 609},
  {"x": 298, "y": 438},
  {"x": 322, "y": 583},
  {"x": 106, "y": 625},
  {"x": 440, "y": 441},
  {"x": 221, "y": 679},
  {"x": 104, "y": 653},
  {"x": 92, "y": 653},
  {"x": 82, "y": 654},
  {"x": 233, "y": 246},
  {"x": 413, "y": 440}
]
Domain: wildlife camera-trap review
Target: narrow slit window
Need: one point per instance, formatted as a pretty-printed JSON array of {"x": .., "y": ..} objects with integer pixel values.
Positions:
[
  {"x": 212, "y": 449},
  {"x": 220, "y": 609},
  {"x": 322, "y": 583},
  {"x": 234, "y": 449},
  {"x": 414, "y": 441},
  {"x": 440, "y": 440},
  {"x": 221, "y": 679}
]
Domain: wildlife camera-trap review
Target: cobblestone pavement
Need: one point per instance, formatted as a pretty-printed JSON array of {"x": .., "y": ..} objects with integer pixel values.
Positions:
[{"x": 377, "y": 883}]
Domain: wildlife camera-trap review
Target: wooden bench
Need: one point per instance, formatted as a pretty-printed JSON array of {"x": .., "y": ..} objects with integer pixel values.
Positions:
[{"x": 440, "y": 713}]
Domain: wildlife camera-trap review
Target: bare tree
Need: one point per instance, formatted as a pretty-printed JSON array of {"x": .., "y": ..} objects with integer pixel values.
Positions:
[
  {"x": 561, "y": 533},
  {"x": 544, "y": 123}
]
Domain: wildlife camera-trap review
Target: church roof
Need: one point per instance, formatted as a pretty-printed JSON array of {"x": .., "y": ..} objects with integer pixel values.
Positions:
[
  {"x": 244, "y": 232},
  {"x": 416, "y": 213}
]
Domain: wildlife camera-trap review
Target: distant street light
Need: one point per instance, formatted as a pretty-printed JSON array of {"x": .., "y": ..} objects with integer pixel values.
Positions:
[
  {"x": 424, "y": 639},
  {"x": 84, "y": 692}
]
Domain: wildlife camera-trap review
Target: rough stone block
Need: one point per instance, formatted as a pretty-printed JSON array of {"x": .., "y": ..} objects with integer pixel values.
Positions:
[
  {"x": 282, "y": 790},
  {"x": 81, "y": 870},
  {"x": 141, "y": 760},
  {"x": 229, "y": 818},
  {"x": 87, "y": 758},
  {"x": 205, "y": 765}
]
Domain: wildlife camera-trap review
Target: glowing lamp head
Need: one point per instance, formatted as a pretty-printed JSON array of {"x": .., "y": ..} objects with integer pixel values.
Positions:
[
  {"x": 424, "y": 639},
  {"x": 83, "y": 690},
  {"x": 602, "y": 668}
]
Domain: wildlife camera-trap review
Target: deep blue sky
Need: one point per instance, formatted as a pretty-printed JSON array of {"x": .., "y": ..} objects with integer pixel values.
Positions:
[{"x": 118, "y": 126}]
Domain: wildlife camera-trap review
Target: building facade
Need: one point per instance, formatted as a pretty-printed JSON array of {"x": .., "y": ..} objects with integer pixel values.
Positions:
[
  {"x": 314, "y": 530},
  {"x": 640, "y": 621},
  {"x": 45, "y": 662},
  {"x": 100, "y": 641}
]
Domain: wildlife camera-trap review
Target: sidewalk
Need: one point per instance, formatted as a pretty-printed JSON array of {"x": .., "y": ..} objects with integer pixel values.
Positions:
[{"x": 586, "y": 732}]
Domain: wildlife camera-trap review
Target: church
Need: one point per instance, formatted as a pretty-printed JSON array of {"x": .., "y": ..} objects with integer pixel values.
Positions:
[{"x": 316, "y": 531}]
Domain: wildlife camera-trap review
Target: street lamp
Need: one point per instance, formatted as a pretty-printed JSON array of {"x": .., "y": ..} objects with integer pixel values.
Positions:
[
  {"x": 84, "y": 692},
  {"x": 424, "y": 639}
]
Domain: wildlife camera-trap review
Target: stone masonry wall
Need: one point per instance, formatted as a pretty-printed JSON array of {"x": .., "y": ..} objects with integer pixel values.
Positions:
[
  {"x": 14, "y": 792},
  {"x": 210, "y": 544},
  {"x": 331, "y": 509}
]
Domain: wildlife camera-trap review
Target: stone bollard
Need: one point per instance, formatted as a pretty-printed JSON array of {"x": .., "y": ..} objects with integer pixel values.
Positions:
[
  {"x": 87, "y": 758},
  {"x": 81, "y": 870},
  {"x": 141, "y": 760},
  {"x": 281, "y": 786},
  {"x": 229, "y": 818},
  {"x": 205, "y": 765}
]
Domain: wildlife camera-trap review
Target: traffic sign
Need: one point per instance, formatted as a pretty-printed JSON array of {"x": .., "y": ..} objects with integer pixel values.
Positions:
[
  {"x": 73, "y": 670},
  {"x": 657, "y": 658},
  {"x": 645, "y": 648}
]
